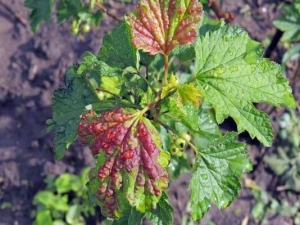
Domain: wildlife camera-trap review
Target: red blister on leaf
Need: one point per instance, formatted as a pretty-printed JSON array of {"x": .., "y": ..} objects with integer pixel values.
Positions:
[
  {"x": 158, "y": 26},
  {"x": 131, "y": 161}
]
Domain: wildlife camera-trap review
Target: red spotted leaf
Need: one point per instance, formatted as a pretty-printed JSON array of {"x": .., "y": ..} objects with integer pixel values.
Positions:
[
  {"x": 158, "y": 26},
  {"x": 130, "y": 166}
]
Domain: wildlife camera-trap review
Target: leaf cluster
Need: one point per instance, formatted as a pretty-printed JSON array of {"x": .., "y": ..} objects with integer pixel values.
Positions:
[
  {"x": 64, "y": 201},
  {"x": 139, "y": 107},
  {"x": 82, "y": 15}
]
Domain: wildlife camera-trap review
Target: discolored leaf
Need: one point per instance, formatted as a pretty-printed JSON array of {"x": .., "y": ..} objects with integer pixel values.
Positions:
[
  {"x": 158, "y": 26},
  {"x": 130, "y": 166}
]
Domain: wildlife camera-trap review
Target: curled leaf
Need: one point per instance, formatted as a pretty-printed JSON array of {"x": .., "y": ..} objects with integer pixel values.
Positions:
[
  {"x": 130, "y": 162},
  {"x": 159, "y": 26}
]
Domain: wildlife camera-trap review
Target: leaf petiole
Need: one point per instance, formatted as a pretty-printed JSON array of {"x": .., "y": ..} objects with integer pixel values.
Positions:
[{"x": 177, "y": 134}]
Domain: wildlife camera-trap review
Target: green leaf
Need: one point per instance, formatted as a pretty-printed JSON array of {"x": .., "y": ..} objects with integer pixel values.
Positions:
[
  {"x": 231, "y": 75},
  {"x": 67, "y": 9},
  {"x": 73, "y": 216},
  {"x": 289, "y": 22},
  {"x": 91, "y": 64},
  {"x": 188, "y": 93},
  {"x": 67, "y": 182},
  {"x": 46, "y": 198},
  {"x": 43, "y": 217},
  {"x": 41, "y": 11},
  {"x": 130, "y": 217},
  {"x": 162, "y": 215},
  {"x": 117, "y": 49},
  {"x": 216, "y": 174},
  {"x": 67, "y": 106}
]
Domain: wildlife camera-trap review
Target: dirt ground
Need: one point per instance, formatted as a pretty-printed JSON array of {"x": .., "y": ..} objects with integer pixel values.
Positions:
[{"x": 33, "y": 66}]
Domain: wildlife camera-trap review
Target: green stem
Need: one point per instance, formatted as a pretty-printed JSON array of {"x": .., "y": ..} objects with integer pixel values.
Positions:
[
  {"x": 176, "y": 133},
  {"x": 165, "y": 80}
]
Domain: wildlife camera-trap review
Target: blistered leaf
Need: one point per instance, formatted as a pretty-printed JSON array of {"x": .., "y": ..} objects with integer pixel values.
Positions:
[
  {"x": 41, "y": 10},
  {"x": 130, "y": 162},
  {"x": 159, "y": 26},
  {"x": 216, "y": 174},
  {"x": 232, "y": 74}
]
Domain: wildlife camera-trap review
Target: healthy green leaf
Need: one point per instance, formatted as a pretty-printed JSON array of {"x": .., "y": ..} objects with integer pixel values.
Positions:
[
  {"x": 216, "y": 174},
  {"x": 41, "y": 10},
  {"x": 162, "y": 215},
  {"x": 91, "y": 64},
  {"x": 67, "y": 106},
  {"x": 117, "y": 49},
  {"x": 159, "y": 26},
  {"x": 43, "y": 217},
  {"x": 44, "y": 197},
  {"x": 231, "y": 75},
  {"x": 130, "y": 217},
  {"x": 289, "y": 22},
  {"x": 67, "y": 9}
]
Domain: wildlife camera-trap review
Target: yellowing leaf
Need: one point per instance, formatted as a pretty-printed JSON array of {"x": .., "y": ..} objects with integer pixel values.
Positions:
[
  {"x": 159, "y": 26},
  {"x": 189, "y": 93}
]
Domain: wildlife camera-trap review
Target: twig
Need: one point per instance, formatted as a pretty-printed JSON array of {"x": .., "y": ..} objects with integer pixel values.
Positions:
[
  {"x": 102, "y": 7},
  {"x": 228, "y": 16},
  {"x": 276, "y": 38}
]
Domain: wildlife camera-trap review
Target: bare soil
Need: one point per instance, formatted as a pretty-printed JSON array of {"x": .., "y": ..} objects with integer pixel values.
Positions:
[{"x": 33, "y": 66}]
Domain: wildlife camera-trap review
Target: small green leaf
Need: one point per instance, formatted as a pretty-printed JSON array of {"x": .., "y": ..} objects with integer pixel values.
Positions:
[
  {"x": 67, "y": 106},
  {"x": 91, "y": 64},
  {"x": 67, "y": 9},
  {"x": 188, "y": 93},
  {"x": 130, "y": 217},
  {"x": 289, "y": 22},
  {"x": 231, "y": 75},
  {"x": 41, "y": 10},
  {"x": 117, "y": 49},
  {"x": 216, "y": 174},
  {"x": 67, "y": 182},
  {"x": 162, "y": 215},
  {"x": 43, "y": 217},
  {"x": 73, "y": 216},
  {"x": 46, "y": 198}
]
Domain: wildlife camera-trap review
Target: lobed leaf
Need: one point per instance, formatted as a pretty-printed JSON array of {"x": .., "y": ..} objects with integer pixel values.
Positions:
[
  {"x": 231, "y": 75},
  {"x": 67, "y": 106},
  {"x": 216, "y": 174},
  {"x": 41, "y": 11},
  {"x": 162, "y": 215},
  {"x": 117, "y": 49},
  {"x": 130, "y": 162},
  {"x": 159, "y": 26}
]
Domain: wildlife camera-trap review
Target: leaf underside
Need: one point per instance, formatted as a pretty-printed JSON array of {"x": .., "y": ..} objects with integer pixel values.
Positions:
[
  {"x": 130, "y": 163},
  {"x": 159, "y": 26}
]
